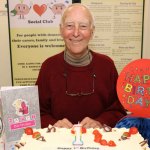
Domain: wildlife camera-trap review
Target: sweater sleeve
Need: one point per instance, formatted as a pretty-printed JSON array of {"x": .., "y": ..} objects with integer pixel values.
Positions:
[
  {"x": 114, "y": 111},
  {"x": 112, "y": 115},
  {"x": 44, "y": 98}
]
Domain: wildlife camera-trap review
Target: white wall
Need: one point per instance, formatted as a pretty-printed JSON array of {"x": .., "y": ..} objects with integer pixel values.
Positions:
[
  {"x": 5, "y": 69},
  {"x": 146, "y": 42}
]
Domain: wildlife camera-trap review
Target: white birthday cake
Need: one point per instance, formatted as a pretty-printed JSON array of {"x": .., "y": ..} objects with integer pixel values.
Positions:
[{"x": 107, "y": 138}]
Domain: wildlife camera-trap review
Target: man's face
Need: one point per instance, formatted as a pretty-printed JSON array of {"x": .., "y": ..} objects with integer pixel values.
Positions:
[{"x": 76, "y": 30}]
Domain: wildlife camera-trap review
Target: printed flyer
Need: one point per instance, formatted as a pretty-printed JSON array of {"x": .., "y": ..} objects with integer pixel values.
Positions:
[
  {"x": 118, "y": 29},
  {"x": 34, "y": 36}
]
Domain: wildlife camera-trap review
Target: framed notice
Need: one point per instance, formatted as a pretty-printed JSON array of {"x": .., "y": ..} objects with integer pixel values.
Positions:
[
  {"x": 118, "y": 29},
  {"x": 34, "y": 36}
]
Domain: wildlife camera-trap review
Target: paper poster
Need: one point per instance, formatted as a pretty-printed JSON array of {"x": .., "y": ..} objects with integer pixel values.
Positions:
[
  {"x": 34, "y": 36},
  {"x": 118, "y": 29},
  {"x": 133, "y": 87}
]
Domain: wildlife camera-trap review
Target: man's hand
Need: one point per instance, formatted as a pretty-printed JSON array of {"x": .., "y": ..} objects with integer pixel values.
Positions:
[
  {"x": 64, "y": 123},
  {"x": 90, "y": 123}
]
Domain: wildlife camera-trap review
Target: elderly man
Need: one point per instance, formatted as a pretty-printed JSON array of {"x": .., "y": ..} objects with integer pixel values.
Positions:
[{"x": 78, "y": 84}]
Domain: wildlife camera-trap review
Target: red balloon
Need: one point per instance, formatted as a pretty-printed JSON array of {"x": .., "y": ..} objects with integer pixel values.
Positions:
[{"x": 133, "y": 87}]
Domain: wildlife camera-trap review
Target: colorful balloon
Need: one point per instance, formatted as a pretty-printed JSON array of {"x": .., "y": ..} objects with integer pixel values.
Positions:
[{"x": 133, "y": 87}]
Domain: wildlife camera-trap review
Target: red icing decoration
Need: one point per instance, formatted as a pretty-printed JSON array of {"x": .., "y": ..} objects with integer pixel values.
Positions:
[
  {"x": 133, "y": 130},
  {"x": 103, "y": 142},
  {"x": 28, "y": 131},
  {"x": 111, "y": 143},
  {"x": 83, "y": 130}
]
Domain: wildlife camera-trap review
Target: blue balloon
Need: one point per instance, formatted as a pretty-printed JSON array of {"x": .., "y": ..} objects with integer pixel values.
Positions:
[{"x": 143, "y": 125}]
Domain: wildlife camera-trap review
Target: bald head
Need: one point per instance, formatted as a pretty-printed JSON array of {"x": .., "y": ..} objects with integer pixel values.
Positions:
[{"x": 77, "y": 8}]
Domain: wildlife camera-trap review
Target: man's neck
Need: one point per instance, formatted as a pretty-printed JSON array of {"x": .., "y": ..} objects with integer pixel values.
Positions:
[{"x": 83, "y": 60}]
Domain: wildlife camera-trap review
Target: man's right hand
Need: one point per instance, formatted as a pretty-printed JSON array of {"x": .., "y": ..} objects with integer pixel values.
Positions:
[{"x": 64, "y": 123}]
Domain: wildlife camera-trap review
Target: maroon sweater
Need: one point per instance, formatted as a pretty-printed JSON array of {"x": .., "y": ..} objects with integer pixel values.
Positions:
[{"x": 56, "y": 77}]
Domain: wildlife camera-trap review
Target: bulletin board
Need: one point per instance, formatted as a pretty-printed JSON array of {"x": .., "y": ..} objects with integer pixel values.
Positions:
[{"x": 34, "y": 35}]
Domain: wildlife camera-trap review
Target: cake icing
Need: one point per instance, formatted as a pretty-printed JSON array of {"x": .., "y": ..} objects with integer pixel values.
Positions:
[{"x": 62, "y": 138}]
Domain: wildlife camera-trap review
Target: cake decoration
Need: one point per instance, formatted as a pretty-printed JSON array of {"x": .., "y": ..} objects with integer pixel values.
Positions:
[
  {"x": 36, "y": 135},
  {"x": 127, "y": 135},
  {"x": 133, "y": 130},
  {"x": 98, "y": 139},
  {"x": 28, "y": 131},
  {"x": 77, "y": 128},
  {"x": 144, "y": 142},
  {"x": 52, "y": 129},
  {"x": 19, "y": 145}
]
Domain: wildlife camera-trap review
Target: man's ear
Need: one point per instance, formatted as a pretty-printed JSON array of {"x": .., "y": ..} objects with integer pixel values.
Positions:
[{"x": 92, "y": 33}]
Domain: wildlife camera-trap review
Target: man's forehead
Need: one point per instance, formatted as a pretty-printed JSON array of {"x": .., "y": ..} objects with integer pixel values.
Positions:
[
  {"x": 71, "y": 20},
  {"x": 77, "y": 18}
]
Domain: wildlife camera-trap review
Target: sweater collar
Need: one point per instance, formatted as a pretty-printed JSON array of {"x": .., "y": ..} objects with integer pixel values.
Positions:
[{"x": 84, "y": 60}]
